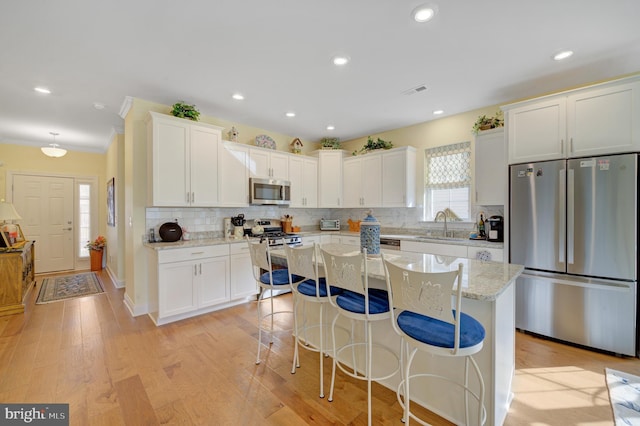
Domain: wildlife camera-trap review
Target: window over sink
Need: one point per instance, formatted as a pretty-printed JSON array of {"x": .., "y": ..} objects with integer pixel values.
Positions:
[{"x": 447, "y": 180}]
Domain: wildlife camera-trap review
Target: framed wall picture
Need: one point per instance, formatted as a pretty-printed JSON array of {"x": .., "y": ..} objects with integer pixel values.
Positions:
[{"x": 111, "y": 202}]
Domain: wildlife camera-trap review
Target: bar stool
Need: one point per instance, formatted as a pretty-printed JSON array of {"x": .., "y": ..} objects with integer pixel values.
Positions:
[
  {"x": 303, "y": 262},
  {"x": 423, "y": 316},
  {"x": 357, "y": 302},
  {"x": 270, "y": 280}
]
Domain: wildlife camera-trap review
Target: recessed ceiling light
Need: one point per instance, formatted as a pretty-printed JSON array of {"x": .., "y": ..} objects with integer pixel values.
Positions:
[
  {"x": 424, "y": 13},
  {"x": 290, "y": 114},
  {"x": 331, "y": 127},
  {"x": 237, "y": 96},
  {"x": 98, "y": 105},
  {"x": 562, "y": 55},
  {"x": 438, "y": 112},
  {"x": 42, "y": 90},
  {"x": 340, "y": 60}
]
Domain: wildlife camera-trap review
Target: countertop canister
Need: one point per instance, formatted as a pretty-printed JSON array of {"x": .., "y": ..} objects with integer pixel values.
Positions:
[{"x": 370, "y": 235}]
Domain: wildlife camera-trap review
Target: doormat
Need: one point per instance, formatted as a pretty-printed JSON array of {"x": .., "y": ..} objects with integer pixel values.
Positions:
[
  {"x": 66, "y": 287},
  {"x": 624, "y": 395}
]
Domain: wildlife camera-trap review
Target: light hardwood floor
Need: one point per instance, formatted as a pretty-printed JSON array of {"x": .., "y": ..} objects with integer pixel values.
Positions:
[{"x": 114, "y": 369}]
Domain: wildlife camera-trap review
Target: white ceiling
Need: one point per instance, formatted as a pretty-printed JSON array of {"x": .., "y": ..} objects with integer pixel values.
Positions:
[{"x": 278, "y": 54}]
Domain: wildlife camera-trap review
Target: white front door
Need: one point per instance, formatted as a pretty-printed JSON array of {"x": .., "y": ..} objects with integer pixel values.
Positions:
[{"x": 46, "y": 206}]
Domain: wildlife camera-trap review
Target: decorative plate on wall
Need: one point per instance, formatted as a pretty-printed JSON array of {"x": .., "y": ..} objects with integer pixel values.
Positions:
[{"x": 265, "y": 141}]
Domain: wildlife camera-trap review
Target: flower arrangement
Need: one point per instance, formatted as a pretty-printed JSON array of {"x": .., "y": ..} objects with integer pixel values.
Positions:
[
  {"x": 373, "y": 145},
  {"x": 183, "y": 110},
  {"x": 97, "y": 244},
  {"x": 485, "y": 123}
]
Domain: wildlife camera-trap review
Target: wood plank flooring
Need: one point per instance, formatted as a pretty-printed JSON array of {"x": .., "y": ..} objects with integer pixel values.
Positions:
[{"x": 114, "y": 369}]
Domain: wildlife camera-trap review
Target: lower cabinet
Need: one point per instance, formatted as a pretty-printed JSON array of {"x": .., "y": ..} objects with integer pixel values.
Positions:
[
  {"x": 185, "y": 282},
  {"x": 243, "y": 283}
]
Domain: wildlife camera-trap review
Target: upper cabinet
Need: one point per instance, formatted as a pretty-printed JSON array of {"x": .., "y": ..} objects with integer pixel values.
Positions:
[
  {"x": 303, "y": 174},
  {"x": 604, "y": 121},
  {"x": 362, "y": 181},
  {"x": 330, "y": 178},
  {"x": 595, "y": 120},
  {"x": 234, "y": 174},
  {"x": 491, "y": 168},
  {"x": 266, "y": 163},
  {"x": 182, "y": 162},
  {"x": 399, "y": 177}
]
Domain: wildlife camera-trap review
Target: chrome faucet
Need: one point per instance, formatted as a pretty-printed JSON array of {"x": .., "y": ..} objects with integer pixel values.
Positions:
[{"x": 435, "y": 219}]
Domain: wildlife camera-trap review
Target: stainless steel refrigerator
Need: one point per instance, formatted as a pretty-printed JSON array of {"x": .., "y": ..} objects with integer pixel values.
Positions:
[{"x": 574, "y": 226}]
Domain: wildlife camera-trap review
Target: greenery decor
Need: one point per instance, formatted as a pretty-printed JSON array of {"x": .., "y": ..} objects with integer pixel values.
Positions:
[
  {"x": 373, "y": 145},
  {"x": 485, "y": 123},
  {"x": 97, "y": 244},
  {"x": 183, "y": 110},
  {"x": 333, "y": 143}
]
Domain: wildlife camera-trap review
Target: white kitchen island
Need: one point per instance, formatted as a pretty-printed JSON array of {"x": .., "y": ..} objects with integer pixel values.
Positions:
[{"x": 489, "y": 296}]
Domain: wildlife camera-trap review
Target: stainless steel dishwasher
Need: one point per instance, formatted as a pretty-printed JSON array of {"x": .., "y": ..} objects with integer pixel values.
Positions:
[{"x": 389, "y": 243}]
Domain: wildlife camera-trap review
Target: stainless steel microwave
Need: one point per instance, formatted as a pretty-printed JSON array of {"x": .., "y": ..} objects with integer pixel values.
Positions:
[{"x": 269, "y": 191}]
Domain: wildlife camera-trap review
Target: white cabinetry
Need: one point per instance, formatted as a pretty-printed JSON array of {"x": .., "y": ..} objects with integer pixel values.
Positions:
[
  {"x": 188, "y": 281},
  {"x": 303, "y": 174},
  {"x": 233, "y": 175},
  {"x": 362, "y": 181},
  {"x": 595, "y": 120},
  {"x": 182, "y": 162},
  {"x": 537, "y": 131},
  {"x": 266, "y": 163},
  {"x": 491, "y": 168},
  {"x": 399, "y": 177},
  {"x": 330, "y": 178},
  {"x": 604, "y": 121},
  {"x": 243, "y": 283}
]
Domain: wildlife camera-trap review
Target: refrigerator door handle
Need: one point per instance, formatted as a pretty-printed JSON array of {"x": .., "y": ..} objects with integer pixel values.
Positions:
[
  {"x": 570, "y": 215},
  {"x": 562, "y": 187}
]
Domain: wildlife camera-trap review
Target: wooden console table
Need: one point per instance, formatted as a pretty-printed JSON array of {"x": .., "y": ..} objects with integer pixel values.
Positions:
[{"x": 17, "y": 274}]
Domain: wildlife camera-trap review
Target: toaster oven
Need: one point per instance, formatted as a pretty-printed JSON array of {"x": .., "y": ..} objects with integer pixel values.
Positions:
[{"x": 329, "y": 224}]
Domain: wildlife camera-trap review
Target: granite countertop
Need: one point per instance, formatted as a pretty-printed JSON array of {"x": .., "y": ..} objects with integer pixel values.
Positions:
[
  {"x": 193, "y": 243},
  {"x": 480, "y": 280}
]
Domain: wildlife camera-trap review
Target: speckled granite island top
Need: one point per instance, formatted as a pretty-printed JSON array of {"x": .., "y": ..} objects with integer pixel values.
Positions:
[{"x": 480, "y": 280}]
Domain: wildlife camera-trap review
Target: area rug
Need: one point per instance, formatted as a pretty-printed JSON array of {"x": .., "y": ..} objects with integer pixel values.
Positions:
[
  {"x": 624, "y": 394},
  {"x": 67, "y": 287}
]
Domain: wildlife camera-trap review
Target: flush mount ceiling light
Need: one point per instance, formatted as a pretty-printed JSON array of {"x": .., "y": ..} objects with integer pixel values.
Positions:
[
  {"x": 424, "y": 12},
  {"x": 562, "y": 55},
  {"x": 42, "y": 90},
  {"x": 52, "y": 150},
  {"x": 331, "y": 127},
  {"x": 340, "y": 60},
  {"x": 237, "y": 96},
  {"x": 290, "y": 114}
]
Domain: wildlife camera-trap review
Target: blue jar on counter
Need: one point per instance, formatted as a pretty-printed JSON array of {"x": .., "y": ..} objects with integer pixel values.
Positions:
[{"x": 370, "y": 235}]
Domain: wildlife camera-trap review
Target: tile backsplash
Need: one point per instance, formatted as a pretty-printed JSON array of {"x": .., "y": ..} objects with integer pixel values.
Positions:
[{"x": 209, "y": 222}]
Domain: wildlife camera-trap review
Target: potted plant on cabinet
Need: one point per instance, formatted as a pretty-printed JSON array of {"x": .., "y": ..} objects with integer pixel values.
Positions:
[
  {"x": 183, "y": 110},
  {"x": 330, "y": 143},
  {"x": 485, "y": 123},
  {"x": 372, "y": 145}
]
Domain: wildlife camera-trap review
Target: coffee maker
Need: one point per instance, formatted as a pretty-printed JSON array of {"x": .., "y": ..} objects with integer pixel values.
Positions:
[{"x": 496, "y": 229}]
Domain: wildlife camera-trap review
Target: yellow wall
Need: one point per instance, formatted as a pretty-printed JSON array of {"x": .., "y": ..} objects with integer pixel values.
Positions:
[
  {"x": 443, "y": 131},
  {"x": 115, "y": 235}
]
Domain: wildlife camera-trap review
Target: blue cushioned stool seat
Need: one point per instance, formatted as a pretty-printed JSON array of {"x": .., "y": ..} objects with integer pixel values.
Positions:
[
  {"x": 354, "y": 302},
  {"x": 439, "y": 333},
  {"x": 280, "y": 277},
  {"x": 308, "y": 288}
]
